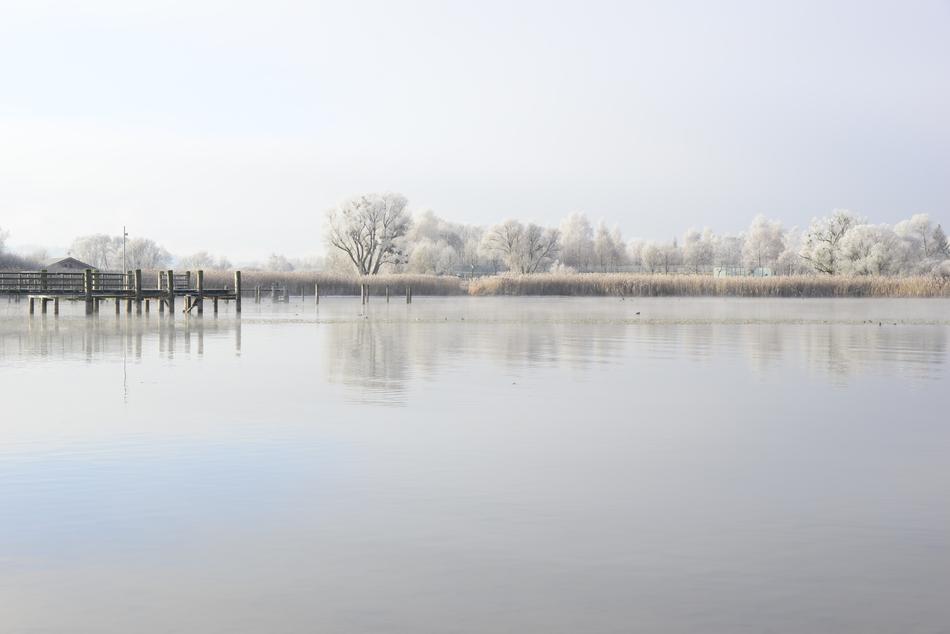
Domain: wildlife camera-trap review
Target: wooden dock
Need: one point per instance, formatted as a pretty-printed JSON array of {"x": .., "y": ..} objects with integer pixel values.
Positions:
[{"x": 93, "y": 287}]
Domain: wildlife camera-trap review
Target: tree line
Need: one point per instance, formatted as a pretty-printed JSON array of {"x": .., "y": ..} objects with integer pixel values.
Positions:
[
  {"x": 377, "y": 233},
  {"x": 371, "y": 233}
]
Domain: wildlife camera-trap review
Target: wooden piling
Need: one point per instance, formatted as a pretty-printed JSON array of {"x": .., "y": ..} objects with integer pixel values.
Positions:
[
  {"x": 237, "y": 291},
  {"x": 214, "y": 302},
  {"x": 117, "y": 303},
  {"x": 87, "y": 289},
  {"x": 146, "y": 306},
  {"x": 201, "y": 291},
  {"x": 257, "y": 294},
  {"x": 32, "y": 308},
  {"x": 44, "y": 282},
  {"x": 55, "y": 305},
  {"x": 316, "y": 293},
  {"x": 408, "y": 295},
  {"x": 387, "y": 293},
  {"x": 43, "y": 302},
  {"x": 137, "y": 288},
  {"x": 170, "y": 287}
]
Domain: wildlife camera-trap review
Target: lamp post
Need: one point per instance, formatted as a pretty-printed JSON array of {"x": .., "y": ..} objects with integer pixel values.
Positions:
[{"x": 124, "y": 236}]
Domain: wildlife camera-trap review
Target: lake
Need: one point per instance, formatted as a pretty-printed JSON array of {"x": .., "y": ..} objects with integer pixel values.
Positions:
[{"x": 478, "y": 465}]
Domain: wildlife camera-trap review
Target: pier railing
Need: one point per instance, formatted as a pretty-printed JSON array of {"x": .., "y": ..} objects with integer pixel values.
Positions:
[{"x": 67, "y": 282}]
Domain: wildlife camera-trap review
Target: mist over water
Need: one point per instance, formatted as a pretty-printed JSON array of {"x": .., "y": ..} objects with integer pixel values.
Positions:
[{"x": 478, "y": 465}]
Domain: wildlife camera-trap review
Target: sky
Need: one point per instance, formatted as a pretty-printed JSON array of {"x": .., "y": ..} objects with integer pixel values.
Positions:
[{"x": 232, "y": 126}]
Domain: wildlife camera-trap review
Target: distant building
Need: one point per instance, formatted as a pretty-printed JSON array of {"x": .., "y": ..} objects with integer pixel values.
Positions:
[{"x": 67, "y": 264}]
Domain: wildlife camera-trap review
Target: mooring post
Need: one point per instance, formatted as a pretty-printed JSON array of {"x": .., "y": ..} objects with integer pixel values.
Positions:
[
  {"x": 170, "y": 288},
  {"x": 43, "y": 281},
  {"x": 55, "y": 305},
  {"x": 237, "y": 291},
  {"x": 387, "y": 293},
  {"x": 87, "y": 287},
  {"x": 316, "y": 293},
  {"x": 95, "y": 305},
  {"x": 408, "y": 295},
  {"x": 146, "y": 306},
  {"x": 257, "y": 294},
  {"x": 137, "y": 287},
  {"x": 43, "y": 302},
  {"x": 117, "y": 303},
  {"x": 201, "y": 291},
  {"x": 32, "y": 309}
]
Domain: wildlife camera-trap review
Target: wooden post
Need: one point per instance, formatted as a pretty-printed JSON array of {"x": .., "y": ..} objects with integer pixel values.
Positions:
[
  {"x": 128, "y": 305},
  {"x": 387, "y": 293},
  {"x": 32, "y": 309},
  {"x": 187, "y": 304},
  {"x": 146, "y": 306},
  {"x": 237, "y": 292},
  {"x": 257, "y": 294},
  {"x": 273, "y": 292},
  {"x": 43, "y": 302},
  {"x": 117, "y": 302},
  {"x": 55, "y": 305},
  {"x": 170, "y": 289},
  {"x": 137, "y": 287},
  {"x": 188, "y": 280},
  {"x": 408, "y": 295},
  {"x": 161, "y": 306},
  {"x": 87, "y": 287},
  {"x": 316, "y": 293},
  {"x": 201, "y": 292},
  {"x": 214, "y": 301},
  {"x": 95, "y": 305},
  {"x": 43, "y": 281}
]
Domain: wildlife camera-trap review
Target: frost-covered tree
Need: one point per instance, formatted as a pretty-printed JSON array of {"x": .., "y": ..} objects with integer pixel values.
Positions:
[
  {"x": 100, "y": 250},
  {"x": 369, "y": 229},
  {"x": 577, "y": 241},
  {"x": 699, "y": 249},
  {"x": 764, "y": 242},
  {"x": 146, "y": 254},
  {"x": 202, "y": 260},
  {"x": 940, "y": 247},
  {"x": 870, "y": 250},
  {"x": 660, "y": 258},
  {"x": 789, "y": 261},
  {"x": 609, "y": 248},
  {"x": 821, "y": 247},
  {"x": 727, "y": 250},
  {"x": 280, "y": 263},
  {"x": 524, "y": 248}
]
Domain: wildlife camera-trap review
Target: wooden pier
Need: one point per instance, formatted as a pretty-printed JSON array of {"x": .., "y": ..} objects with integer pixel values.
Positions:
[{"x": 93, "y": 287}]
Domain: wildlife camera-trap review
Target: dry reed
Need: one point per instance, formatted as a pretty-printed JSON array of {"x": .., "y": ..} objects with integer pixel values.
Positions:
[{"x": 658, "y": 285}]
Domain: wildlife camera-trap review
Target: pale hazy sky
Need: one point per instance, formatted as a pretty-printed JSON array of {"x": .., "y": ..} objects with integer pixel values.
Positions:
[{"x": 231, "y": 126}]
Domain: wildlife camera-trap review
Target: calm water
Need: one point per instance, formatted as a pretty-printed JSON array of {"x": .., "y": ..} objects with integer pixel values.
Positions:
[{"x": 478, "y": 465}]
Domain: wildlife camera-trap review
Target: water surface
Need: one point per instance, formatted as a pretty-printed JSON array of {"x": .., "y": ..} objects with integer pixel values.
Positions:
[{"x": 478, "y": 465}]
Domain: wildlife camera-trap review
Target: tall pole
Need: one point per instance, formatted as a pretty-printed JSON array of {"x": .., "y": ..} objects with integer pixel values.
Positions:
[{"x": 124, "y": 236}]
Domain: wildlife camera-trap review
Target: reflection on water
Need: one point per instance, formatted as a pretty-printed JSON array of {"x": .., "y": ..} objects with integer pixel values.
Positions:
[{"x": 478, "y": 465}]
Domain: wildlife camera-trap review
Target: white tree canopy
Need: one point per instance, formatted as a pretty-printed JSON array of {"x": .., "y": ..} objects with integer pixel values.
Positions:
[{"x": 370, "y": 229}]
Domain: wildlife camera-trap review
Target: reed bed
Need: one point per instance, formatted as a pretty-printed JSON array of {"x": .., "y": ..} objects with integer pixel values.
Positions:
[
  {"x": 302, "y": 282},
  {"x": 662, "y": 285}
]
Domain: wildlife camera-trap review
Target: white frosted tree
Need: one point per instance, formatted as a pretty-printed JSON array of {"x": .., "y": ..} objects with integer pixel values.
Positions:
[
  {"x": 524, "y": 248},
  {"x": 609, "y": 248},
  {"x": 698, "y": 249},
  {"x": 577, "y": 241},
  {"x": 369, "y": 229},
  {"x": 870, "y": 250},
  {"x": 764, "y": 242},
  {"x": 821, "y": 247}
]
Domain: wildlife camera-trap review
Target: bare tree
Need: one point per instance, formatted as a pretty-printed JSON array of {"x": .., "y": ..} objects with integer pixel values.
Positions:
[{"x": 369, "y": 230}]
